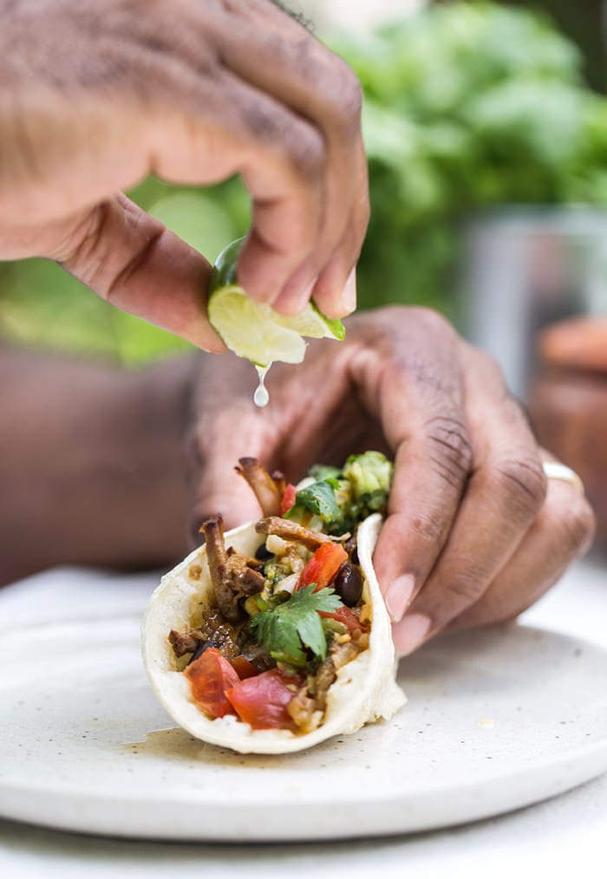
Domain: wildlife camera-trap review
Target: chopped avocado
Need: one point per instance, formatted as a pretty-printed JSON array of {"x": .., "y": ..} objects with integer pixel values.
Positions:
[{"x": 368, "y": 474}]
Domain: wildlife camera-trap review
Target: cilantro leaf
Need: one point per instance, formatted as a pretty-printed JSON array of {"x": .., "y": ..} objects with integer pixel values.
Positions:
[
  {"x": 312, "y": 634},
  {"x": 278, "y": 635},
  {"x": 319, "y": 499},
  {"x": 289, "y": 627}
]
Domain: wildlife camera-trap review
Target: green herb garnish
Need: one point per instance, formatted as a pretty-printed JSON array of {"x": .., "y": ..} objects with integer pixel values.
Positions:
[
  {"x": 318, "y": 499},
  {"x": 287, "y": 629}
]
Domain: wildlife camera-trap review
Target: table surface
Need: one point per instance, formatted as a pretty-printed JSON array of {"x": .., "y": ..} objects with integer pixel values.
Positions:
[{"x": 566, "y": 833}]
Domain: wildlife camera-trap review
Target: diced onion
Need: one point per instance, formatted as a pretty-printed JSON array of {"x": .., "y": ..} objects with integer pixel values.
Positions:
[
  {"x": 288, "y": 584},
  {"x": 276, "y": 545}
]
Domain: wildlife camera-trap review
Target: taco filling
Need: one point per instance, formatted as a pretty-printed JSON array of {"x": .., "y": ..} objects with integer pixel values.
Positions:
[{"x": 267, "y": 641}]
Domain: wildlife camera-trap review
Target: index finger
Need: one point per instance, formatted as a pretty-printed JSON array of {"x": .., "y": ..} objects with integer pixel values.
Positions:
[{"x": 421, "y": 407}]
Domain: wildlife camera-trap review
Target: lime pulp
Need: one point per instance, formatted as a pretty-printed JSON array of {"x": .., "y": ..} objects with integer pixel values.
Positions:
[{"x": 256, "y": 331}]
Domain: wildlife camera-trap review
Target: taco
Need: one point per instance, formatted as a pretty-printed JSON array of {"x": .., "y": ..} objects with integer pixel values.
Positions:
[{"x": 274, "y": 636}]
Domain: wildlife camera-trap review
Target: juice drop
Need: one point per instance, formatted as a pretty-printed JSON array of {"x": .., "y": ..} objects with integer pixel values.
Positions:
[{"x": 261, "y": 397}]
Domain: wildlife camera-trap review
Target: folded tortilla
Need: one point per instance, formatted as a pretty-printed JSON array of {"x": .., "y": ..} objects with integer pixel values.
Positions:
[{"x": 364, "y": 691}]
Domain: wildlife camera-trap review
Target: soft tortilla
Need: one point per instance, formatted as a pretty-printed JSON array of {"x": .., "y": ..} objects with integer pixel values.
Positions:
[{"x": 365, "y": 689}]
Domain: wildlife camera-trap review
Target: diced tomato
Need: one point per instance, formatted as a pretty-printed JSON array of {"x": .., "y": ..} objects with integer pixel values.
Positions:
[
  {"x": 262, "y": 701},
  {"x": 323, "y": 566},
  {"x": 345, "y": 616},
  {"x": 243, "y": 668},
  {"x": 210, "y": 676},
  {"x": 288, "y": 499}
]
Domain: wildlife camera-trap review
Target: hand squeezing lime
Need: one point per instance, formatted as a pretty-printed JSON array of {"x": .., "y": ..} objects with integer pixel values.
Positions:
[{"x": 254, "y": 330}]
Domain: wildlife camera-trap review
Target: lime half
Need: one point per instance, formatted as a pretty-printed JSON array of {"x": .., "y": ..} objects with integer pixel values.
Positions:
[{"x": 254, "y": 330}]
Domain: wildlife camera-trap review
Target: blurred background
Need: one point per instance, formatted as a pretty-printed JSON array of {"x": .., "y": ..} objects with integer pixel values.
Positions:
[{"x": 486, "y": 129}]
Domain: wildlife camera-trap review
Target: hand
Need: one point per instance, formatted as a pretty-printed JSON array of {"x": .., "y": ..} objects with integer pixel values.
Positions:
[
  {"x": 474, "y": 533},
  {"x": 194, "y": 92}
]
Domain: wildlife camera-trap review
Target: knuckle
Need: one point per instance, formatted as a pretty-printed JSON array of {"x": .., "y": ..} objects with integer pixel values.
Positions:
[
  {"x": 430, "y": 526},
  {"x": 449, "y": 448},
  {"x": 400, "y": 321},
  {"x": 521, "y": 485},
  {"x": 422, "y": 376},
  {"x": 466, "y": 587},
  {"x": 305, "y": 151},
  {"x": 344, "y": 98},
  {"x": 293, "y": 140},
  {"x": 230, "y": 7},
  {"x": 431, "y": 321},
  {"x": 489, "y": 368},
  {"x": 575, "y": 526},
  {"x": 78, "y": 250}
]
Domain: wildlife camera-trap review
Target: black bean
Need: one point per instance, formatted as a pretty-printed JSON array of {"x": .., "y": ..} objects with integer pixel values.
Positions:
[
  {"x": 262, "y": 554},
  {"x": 257, "y": 655},
  {"x": 352, "y": 549},
  {"x": 202, "y": 646},
  {"x": 349, "y": 584}
]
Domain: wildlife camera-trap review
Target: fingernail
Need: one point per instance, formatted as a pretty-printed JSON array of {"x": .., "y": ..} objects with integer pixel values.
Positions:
[
  {"x": 293, "y": 301},
  {"x": 399, "y": 595},
  {"x": 412, "y": 632},
  {"x": 301, "y": 299},
  {"x": 348, "y": 294},
  {"x": 306, "y": 293}
]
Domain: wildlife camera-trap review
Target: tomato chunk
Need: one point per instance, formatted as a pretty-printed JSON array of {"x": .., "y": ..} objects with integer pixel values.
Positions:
[
  {"x": 243, "y": 668},
  {"x": 210, "y": 676},
  {"x": 323, "y": 566},
  {"x": 346, "y": 616},
  {"x": 262, "y": 701},
  {"x": 288, "y": 499}
]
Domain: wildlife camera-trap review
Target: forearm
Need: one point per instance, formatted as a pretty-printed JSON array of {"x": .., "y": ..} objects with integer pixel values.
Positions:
[{"x": 92, "y": 463}]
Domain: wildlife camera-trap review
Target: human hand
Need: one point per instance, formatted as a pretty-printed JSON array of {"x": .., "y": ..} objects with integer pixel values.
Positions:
[
  {"x": 95, "y": 98},
  {"x": 474, "y": 533}
]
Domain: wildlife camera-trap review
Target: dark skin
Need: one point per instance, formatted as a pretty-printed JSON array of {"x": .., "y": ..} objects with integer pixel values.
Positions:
[
  {"x": 193, "y": 92},
  {"x": 474, "y": 535}
]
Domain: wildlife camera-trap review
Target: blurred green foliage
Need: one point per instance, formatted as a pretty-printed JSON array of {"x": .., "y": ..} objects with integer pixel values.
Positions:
[
  {"x": 468, "y": 106},
  {"x": 42, "y": 305}
]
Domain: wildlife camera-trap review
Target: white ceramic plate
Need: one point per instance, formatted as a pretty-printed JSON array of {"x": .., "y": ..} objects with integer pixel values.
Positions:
[{"x": 496, "y": 720}]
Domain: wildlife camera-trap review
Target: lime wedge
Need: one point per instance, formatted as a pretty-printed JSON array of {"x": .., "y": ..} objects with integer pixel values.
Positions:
[
  {"x": 250, "y": 330},
  {"x": 312, "y": 323},
  {"x": 254, "y": 330}
]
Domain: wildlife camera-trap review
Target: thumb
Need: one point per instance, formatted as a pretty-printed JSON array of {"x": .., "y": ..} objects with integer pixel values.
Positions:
[{"x": 133, "y": 262}]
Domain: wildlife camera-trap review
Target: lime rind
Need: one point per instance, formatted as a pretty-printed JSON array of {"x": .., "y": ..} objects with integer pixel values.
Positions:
[
  {"x": 335, "y": 327},
  {"x": 312, "y": 323},
  {"x": 224, "y": 269}
]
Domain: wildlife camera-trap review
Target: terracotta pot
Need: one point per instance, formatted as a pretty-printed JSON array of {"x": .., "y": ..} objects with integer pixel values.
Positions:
[{"x": 568, "y": 404}]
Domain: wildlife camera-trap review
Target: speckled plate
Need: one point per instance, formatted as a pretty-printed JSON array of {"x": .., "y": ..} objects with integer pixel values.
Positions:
[{"x": 496, "y": 720}]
